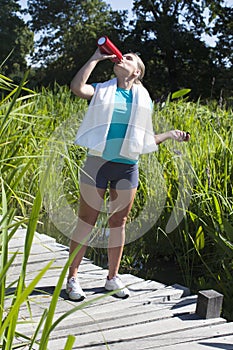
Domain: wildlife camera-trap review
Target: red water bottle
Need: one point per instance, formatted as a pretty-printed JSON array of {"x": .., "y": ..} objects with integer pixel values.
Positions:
[{"x": 106, "y": 46}]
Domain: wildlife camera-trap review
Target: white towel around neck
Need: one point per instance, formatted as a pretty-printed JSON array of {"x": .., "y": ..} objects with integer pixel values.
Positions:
[{"x": 93, "y": 131}]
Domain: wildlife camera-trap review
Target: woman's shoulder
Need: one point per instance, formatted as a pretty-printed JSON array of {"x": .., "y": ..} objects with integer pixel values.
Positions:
[{"x": 107, "y": 83}]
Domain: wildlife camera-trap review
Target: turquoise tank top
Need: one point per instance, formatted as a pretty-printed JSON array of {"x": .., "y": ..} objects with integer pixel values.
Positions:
[{"x": 117, "y": 130}]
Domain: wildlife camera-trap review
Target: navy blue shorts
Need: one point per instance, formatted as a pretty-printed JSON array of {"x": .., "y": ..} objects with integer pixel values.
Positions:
[{"x": 99, "y": 172}]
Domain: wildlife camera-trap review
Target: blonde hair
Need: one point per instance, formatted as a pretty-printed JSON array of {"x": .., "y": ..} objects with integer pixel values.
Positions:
[{"x": 141, "y": 67}]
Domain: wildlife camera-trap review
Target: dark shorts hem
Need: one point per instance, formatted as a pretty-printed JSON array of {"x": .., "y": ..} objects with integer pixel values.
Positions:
[{"x": 101, "y": 174}]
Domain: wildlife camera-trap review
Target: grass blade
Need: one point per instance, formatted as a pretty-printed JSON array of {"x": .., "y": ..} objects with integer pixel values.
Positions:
[
  {"x": 70, "y": 342},
  {"x": 20, "y": 299}
]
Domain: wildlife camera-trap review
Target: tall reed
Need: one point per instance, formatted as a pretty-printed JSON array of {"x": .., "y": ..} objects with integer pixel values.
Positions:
[
  {"x": 21, "y": 203},
  {"x": 202, "y": 243}
]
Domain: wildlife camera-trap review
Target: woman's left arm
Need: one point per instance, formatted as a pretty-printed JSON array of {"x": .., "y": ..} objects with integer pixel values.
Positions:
[{"x": 177, "y": 135}]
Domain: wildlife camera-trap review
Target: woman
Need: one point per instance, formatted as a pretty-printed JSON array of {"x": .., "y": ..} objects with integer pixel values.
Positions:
[{"x": 116, "y": 129}]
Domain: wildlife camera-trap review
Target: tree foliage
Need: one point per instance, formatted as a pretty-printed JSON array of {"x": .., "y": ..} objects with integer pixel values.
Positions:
[
  {"x": 224, "y": 30},
  {"x": 171, "y": 32},
  {"x": 167, "y": 33},
  {"x": 15, "y": 37},
  {"x": 69, "y": 31}
]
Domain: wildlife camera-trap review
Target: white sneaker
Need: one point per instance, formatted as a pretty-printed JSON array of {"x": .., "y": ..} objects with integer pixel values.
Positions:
[
  {"x": 74, "y": 290},
  {"x": 116, "y": 283}
]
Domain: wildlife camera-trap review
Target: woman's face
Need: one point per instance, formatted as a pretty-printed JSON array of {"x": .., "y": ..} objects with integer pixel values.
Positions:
[{"x": 128, "y": 66}]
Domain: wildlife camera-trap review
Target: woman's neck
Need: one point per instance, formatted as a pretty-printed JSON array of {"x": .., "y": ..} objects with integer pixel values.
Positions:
[{"x": 124, "y": 83}]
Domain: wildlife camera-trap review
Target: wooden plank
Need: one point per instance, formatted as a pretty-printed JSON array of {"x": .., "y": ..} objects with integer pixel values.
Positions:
[
  {"x": 35, "y": 268},
  {"x": 39, "y": 302},
  {"x": 36, "y": 258},
  {"x": 109, "y": 317},
  {"x": 80, "y": 323},
  {"x": 39, "y": 248},
  {"x": 214, "y": 337},
  {"x": 106, "y": 305},
  {"x": 161, "y": 342},
  {"x": 18, "y": 239},
  {"x": 136, "y": 298},
  {"x": 139, "y": 332},
  {"x": 218, "y": 342}
]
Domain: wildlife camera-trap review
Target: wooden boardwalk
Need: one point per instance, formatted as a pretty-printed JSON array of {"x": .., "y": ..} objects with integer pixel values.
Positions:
[{"x": 154, "y": 317}]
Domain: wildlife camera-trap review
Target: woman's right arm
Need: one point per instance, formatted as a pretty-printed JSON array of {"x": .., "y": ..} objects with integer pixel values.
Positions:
[{"x": 79, "y": 84}]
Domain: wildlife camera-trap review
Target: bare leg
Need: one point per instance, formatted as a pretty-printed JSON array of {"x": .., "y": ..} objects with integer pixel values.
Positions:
[
  {"x": 120, "y": 206},
  {"x": 91, "y": 200}
]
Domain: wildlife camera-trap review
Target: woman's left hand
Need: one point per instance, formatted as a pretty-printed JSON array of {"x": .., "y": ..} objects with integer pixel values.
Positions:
[{"x": 180, "y": 136}]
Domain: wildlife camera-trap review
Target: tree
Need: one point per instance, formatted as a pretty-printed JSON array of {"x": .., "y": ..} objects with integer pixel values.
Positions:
[
  {"x": 15, "y": 37},
  {"x": 223, "y": 29},
  {"x": 223, "y": 54},
  {"x": 168, "y": 34},
  {"x": 170, "y": 31},
  {"x": 68, "y": 31}
]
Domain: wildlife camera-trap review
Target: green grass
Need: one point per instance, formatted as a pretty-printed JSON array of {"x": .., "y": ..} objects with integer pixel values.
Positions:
[
  {"x": 24, "y": 135},
  {"x": 191, "y": 182},
  {"x": 202, "y": 244}
]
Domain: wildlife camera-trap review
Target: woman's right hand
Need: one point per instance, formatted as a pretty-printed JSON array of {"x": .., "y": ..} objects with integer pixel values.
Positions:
[
  {"x": 98, "y": 56},
  {"x": 79, "y": 84}
]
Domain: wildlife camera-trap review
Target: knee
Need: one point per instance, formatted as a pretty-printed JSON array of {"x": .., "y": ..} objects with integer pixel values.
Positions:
[
  {"x": 87, "y": 219},
  {"x": 117, "y": 221}
]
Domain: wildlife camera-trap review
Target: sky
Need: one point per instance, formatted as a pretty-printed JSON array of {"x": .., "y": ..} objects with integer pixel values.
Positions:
[
  {"x": 127, "y": 4},
  {"x": 120, "y": 4}
]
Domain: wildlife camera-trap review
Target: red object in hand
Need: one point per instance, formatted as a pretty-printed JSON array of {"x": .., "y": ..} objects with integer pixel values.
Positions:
[{"x": 106, "y": 46}]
